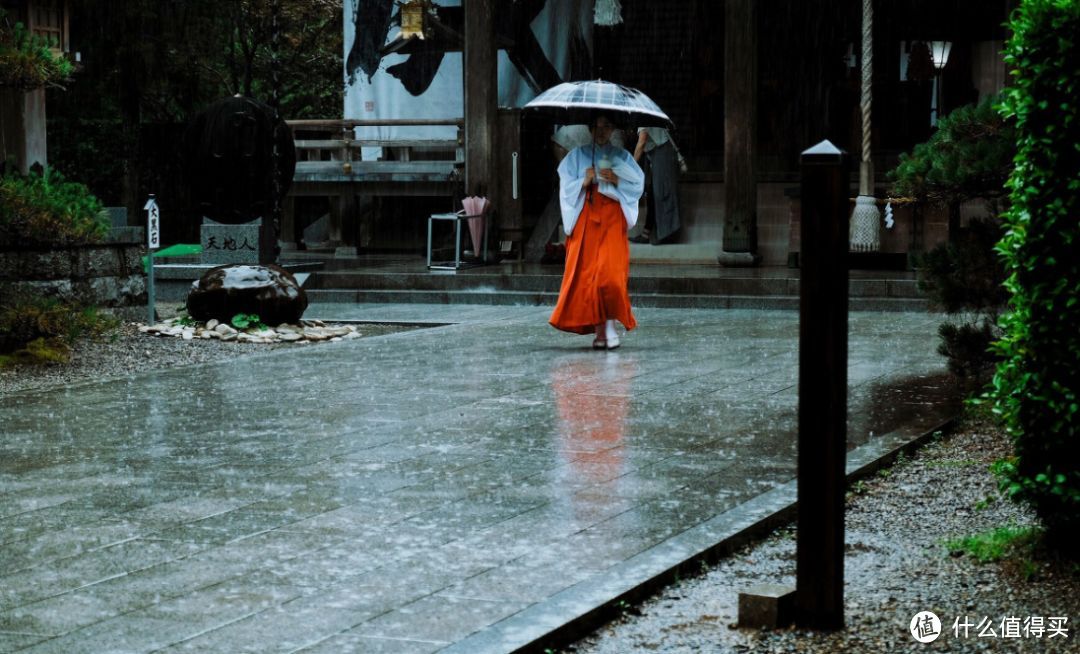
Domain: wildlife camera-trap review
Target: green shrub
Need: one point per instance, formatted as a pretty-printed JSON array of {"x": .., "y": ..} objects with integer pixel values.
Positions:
[
  {"x": 26, "y": 62},
  {"x": 1035, "y": 387},
  {"x": 967, "y": 347},
  {"x": 46, "y": 209},
  {"x": 966, "y": 277},
  {"x": 41, "y": 330},
  {"x": 966, "y": 274},
  {"x": 969, "y": 156}
]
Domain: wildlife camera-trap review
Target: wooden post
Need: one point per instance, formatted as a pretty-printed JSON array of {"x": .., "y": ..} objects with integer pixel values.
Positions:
[
  {"x": 22, "y": 127},
  {"x": 480, "y": 72},
  {"x": 509, "y": 141},
  {"x": 740, "y": 125},
  {"x": 823, "y": 310},
  {"x": 336, "y": 217},
  {"x": 287, "y": 234}
]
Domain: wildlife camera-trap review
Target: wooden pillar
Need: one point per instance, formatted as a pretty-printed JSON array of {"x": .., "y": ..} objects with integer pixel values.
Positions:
[
  {"x": 480, "y": 68},
  {"x": 823, "y": 328},
  {"x": 22, "y": 127},
  {"x": 508, "y": 139},
  {"x": 333, "y": 224},
  {"x": 740, "y": 125},
  {"x": 287, "y": 232}
]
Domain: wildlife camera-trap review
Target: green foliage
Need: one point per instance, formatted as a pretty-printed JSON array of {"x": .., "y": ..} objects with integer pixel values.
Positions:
[
  {"x": 858, "y": 488},
  {"x": 966, "y": 274},
  {"x": 967, "y": 347},
  {"x": 26, "y": 62},
  {"x": 94, "y": 148},
  {"x": 995, "y": 544},
  {"x": 969, "y": 156},
  {"x": 42, "y": 330},
  {"x": 37, "y": 352},
  {"x": 247, "y": 321},
  {"x": 163, "y": 62},
  {"x": 155, "y": 65},
  {"x": 1035, "y": 387},
  {"x": 46, "y": 209}
]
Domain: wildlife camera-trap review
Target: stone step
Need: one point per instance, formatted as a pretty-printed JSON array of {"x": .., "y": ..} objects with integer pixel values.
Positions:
[
  {"x": 548, "y": 298},
  {"x": 475, "y": 282}
]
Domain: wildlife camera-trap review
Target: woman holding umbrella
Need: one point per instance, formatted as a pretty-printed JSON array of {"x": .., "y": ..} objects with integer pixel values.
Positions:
[{"x": 599, "y": 188}]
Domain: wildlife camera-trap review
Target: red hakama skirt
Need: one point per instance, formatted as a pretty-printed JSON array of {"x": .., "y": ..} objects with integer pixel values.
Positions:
[{"x": 597, "y": 270}]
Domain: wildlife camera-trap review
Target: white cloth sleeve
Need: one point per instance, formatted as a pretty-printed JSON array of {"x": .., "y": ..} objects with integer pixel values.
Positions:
[
  {"x": 572, "y": 177},
  {"x": 631, "y": 185},
  {"x": 571, "y": 189}
]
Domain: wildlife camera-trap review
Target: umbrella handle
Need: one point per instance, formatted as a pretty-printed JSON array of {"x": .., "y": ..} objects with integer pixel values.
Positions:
[{"x": 591, "y": 185}]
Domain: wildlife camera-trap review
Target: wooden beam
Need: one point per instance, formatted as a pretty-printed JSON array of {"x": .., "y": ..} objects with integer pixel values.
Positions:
[
  {"x": 740, "y": 126},
  {"x": 481, "y": 88},
  {"x": 335, "y": 124}
]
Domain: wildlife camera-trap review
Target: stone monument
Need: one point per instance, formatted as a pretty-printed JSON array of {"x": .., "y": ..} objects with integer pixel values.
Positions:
[{"x": 239, "y": 160}]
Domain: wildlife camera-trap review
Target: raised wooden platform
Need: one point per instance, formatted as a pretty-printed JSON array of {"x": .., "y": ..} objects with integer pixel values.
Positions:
[{"x": 330, "y": 164}]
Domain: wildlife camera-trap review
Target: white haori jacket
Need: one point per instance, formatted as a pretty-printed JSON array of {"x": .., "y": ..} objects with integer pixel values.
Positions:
[{"x": 572, "y": 177}]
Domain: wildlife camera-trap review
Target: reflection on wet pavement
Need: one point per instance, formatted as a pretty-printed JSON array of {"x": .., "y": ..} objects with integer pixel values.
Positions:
[
  {"x": 411, "y": 488},
  {"x": 592, "y": 397}
]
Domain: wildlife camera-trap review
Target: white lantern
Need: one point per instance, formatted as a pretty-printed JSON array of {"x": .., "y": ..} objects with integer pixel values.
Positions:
[{"x": 939, "y": 52}]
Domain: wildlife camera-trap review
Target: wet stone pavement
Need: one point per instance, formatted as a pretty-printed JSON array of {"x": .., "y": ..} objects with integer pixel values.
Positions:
[{"x": 463, "y": 487}]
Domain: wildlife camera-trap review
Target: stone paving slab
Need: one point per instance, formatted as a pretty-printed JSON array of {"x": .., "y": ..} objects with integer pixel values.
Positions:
[{"x": 465, "y": 487}]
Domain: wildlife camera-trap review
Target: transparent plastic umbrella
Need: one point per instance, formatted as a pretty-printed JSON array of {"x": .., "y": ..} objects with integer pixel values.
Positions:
[{"x": 575, "y": 103}]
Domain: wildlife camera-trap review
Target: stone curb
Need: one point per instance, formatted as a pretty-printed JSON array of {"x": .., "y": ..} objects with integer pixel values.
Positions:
[
  {"x": 487, "y": 297},
  {"x": 573, "y": 613}
]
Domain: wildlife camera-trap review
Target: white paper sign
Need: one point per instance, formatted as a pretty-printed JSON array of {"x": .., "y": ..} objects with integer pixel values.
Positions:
[{"x": 153, "y": 224}]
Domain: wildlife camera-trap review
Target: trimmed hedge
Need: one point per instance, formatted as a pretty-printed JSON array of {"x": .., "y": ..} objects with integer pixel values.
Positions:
[
  {"x": 1035, "y": 387},
  {"x": 46, "y": 209}
]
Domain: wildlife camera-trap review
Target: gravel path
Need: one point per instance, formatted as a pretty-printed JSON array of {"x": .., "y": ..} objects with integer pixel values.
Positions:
[
  {"x": 126, "y": 351},
  {"x": 896, "y": 566}
]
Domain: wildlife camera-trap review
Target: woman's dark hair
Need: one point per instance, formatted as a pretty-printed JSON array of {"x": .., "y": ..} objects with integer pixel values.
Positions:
[{"x": 611, "y": 118}]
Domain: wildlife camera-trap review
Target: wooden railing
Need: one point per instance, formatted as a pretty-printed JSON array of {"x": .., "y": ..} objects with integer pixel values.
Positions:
[{"x": 334, "y": 141}]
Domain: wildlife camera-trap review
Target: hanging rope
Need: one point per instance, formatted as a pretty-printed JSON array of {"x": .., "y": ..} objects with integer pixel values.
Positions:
[
  {"x": 864, "y": 233},
  {"x": 867, "y": 73}
]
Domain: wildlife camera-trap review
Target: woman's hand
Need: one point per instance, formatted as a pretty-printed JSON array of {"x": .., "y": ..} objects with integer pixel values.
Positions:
[
  {"x": 590, "y": 178},
  {"x": 609, "y": 176}
]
